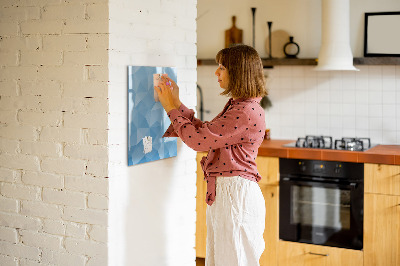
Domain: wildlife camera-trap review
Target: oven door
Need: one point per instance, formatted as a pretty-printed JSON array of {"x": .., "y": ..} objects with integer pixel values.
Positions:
[{"x": 321, "y": 212}]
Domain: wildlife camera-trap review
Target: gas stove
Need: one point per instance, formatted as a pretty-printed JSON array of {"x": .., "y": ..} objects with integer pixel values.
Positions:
[{"x": 326, "y": 142}]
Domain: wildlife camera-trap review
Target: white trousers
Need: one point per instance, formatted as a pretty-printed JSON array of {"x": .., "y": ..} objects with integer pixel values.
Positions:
[{"x": 235, "y": 223}]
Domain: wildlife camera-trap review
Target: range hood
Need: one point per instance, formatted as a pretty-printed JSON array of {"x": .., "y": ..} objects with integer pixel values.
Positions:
[{"x": 335, "y": 52}]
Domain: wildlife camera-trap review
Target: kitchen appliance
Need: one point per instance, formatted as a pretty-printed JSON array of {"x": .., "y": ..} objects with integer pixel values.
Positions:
[
  {"x": 326, "y": 142},
  {"x": 321, "y": 202}
]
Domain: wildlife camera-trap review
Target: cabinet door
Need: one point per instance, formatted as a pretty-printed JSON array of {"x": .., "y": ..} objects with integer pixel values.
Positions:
[
  {"x": 299, "y": 254},
  {"x": 268, "y": 167},
  {"x": 382, "y": 179},
  {"x": 381, "y": 230},
  {"x": 271, "y": 232},
  {"x": 201, "y": 205}
]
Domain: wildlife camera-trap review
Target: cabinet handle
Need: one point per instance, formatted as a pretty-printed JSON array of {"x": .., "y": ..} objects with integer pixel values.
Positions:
[{"x": 318, "y": 254}]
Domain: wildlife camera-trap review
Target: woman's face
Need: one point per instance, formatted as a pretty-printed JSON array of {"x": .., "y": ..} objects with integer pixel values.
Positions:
[{"x": 223, "y": 77}]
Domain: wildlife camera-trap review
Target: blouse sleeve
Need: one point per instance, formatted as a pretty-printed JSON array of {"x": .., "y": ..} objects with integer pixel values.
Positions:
[
  {"x": 231, "y": 128},
  {"x": 187, "y": 113}
]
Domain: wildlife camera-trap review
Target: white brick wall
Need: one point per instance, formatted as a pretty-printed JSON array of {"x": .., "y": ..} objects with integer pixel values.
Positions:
[{"x": 53, "y": 132}]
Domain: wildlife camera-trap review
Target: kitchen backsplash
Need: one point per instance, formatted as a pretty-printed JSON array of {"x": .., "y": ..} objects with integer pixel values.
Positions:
[{"x": 365, "y": 103}]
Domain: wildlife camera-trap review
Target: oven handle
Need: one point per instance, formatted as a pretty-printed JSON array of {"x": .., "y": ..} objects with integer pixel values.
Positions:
[{"x": 310, "y": 182}]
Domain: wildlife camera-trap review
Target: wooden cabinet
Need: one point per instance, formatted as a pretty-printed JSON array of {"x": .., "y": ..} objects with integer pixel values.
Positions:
[
  {"x": 299, "y": 254},
  {"x": 271, "y": 232},
  {"x": 382, "y": 215},
  {"x": 382, "y": 179},
  {"x": 201, "y": 205}
]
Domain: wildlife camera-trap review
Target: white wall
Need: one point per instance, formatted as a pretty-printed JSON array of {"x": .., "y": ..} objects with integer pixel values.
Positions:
[
  {"x": 337, "y": 103},
  {"x": 53, "y": 133},
  {"x": 152, "y": 205}
]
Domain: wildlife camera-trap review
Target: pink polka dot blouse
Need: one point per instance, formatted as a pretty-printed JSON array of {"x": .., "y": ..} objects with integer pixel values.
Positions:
[{"x": 232, "y": 139}]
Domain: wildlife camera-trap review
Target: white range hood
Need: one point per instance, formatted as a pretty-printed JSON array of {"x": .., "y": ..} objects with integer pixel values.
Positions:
[{"x": 335, "y": 53}]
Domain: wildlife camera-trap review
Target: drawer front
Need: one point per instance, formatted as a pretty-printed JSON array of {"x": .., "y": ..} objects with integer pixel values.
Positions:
[{"x": 382, "y": 179}]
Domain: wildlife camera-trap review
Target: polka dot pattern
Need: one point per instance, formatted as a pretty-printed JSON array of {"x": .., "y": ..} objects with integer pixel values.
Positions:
[{"x": 232, "y": 139}]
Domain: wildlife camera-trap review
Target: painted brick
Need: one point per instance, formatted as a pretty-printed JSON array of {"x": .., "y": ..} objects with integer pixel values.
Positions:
[
  {"x": 8, "y": 117},
  {"x": 19, "y": 191},
  {"x": 9, "y": 58},
  {"x": 18, "y": 132},
  {"x": 8, "y": 261},
  {"x": 63, "y": 166},
  {"x": 43, "y": 87},
  {"x": 40, "y": 209},
  {"x": 8, "y": 234},
  {"x": 85, "y": 26},
  {"x": 17, "y": 13},
  {"x": 69, "y": 198},
  {"x": 87, "y": 184},
  {"x": 48, "y": 58},
  {"x": 85, "y": 58},
  {"x": 85, "y": 247},
  {"x": 97, "y": 202},
  {"x": 26, "y": 262},
  {"x": 62, "y": 258},
  {"x": 22, "y": 43},
  {"x": 97, "y": 261},
  {"x": 8, "y": 29},
  {"x": 43, "y": 179},
  {"x": 20, "y": 251},
  {"x": 95, "y": 105},
  {"x": 35, "y": 239},
  {"x": 19, "y": 221},
  {"x": 41, "y": 27},
  {"x": 97, "y": 169},
  {"x": 20, "y": 161},
  {"x": 97, "y": 11},
  {"x": 51, "y": 118},
  {"x": 8, "y": 88},
  {"x": 95, "y": 136},
  {"x": 69, "y": 12},
  {"x": 8, "y": 146},
  {"x": 58, "y": 134},
  {"x": 7, "y": 175},
  {"x": 185, "y": 48},
  {"x": 68, "y": 42},
  {"x": 8, "y": 205},
  {"x": 86, "y": 89},
  {"x": 98, "y": 73},
  {"x": 99, "y": 42},
  {"x": 76, "y": 230},
  {"x": 61, "y": 73},
  {"x": 54, "y": 227},
  {"x": 89, "y": 216},
  {"x": 85, "y": 121},
  {"x": 98, "y": 233},
  {"x": 88, "y": 152},
  {"x": 41, "y": 148},
  {"x": 29, "y": 73}
]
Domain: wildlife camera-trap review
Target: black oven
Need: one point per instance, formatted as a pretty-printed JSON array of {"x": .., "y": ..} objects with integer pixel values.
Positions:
[{"x": 321, "y": 202}]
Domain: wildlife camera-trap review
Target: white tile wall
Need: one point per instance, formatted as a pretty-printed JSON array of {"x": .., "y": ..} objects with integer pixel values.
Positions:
[{"x": 337, "y": 103}]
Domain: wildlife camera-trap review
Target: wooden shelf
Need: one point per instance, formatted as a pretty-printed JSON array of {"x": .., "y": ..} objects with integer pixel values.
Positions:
[{"x": 269, "y": 63}]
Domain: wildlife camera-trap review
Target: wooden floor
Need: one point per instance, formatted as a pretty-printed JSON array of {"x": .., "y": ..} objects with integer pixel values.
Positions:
[{"x": 200, "y": 262}]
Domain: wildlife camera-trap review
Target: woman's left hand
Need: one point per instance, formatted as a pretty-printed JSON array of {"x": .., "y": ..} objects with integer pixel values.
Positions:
[{"x": 165, "y": 95}]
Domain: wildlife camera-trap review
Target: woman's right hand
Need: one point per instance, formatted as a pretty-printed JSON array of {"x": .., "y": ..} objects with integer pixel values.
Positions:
[{"x": 175, "y": 91}]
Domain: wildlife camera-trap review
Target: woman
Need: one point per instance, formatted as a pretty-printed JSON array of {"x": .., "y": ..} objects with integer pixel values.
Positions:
[{"x": 236, "y": 211}]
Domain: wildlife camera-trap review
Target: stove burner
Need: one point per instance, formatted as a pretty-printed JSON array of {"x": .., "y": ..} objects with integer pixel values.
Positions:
[
  {"x": 324, "y": 142},
  {"x": 353, "y": 144}
]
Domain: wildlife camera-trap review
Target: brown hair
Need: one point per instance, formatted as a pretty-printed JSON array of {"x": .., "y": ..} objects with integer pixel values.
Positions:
[{"x": 245, "y": 69}]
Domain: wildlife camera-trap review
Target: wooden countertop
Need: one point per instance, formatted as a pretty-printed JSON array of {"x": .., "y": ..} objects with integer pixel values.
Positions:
[{"x": 380, "y": 154}]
